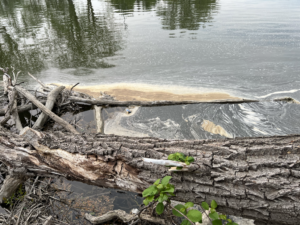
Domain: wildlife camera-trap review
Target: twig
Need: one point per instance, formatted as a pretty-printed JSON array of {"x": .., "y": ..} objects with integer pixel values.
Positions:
[
  {"x": 40, "y": 82},
  {"x": 145, "y": 207},
  {"x": 182, "y": 214},
  {"x": 74, "y": 86}
]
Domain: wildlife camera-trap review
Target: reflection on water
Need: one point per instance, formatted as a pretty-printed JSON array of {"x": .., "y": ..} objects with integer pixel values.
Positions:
[
  {"x": 36, "y": 35},
  {"x": 182, "y": 14},
  {"x": 247, "y": 49},
  {"x": 83, "y": 198}
]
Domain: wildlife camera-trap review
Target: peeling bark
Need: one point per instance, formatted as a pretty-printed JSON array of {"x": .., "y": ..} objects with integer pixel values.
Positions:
[{"x": 255, "y": 178}]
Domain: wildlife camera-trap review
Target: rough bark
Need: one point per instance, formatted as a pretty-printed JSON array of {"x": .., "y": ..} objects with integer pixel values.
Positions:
[
  {"x": 256, "y": 178},
  {"x": 49, "y": 105}
]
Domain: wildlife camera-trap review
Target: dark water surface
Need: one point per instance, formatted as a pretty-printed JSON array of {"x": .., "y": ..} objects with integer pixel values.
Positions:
[{"x": 246, "y": 48}]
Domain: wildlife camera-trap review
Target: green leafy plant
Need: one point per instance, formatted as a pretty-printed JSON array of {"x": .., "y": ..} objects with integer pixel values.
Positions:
[
  {"x": 180, "y": 157},
  {"x": 161, "y": 191}
]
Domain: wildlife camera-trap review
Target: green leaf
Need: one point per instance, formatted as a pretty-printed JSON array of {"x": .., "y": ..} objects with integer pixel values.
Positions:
[
  {"x": 194, "y": 215},
  {"x": 165, "y": 180},
  {"x": 171, "y": 157},
  {"x": 217, "y": 222},
  {"x": 160, "y": 186},
  {"x": 178, "y": 207},
  {"x": 214, "y": 215},
  {"x": 180, "y": 156},
  {"x": 188, "y": 205},
  {"x": 231, "y": 223},
  {"x": 169, "y": 190},
  {"x": 187, "y": 162},
  {"x": 157, "y": 182},
  {"x": 212, "y": 210},
  {"x": 190, "y": 159},
  {"x": 223, "y": 217},
  {"x": 205, "y": 205},
  {"x": 148, "y": 200},
  {"x": 159, "y": 208},
  {"x": 213, "y": 204},
  {"x": 179, "y": 168},
  {"x": 162, "y": 197},
  {"x": 229, "y": 220},
  {"x": 152, "y": 190},
  {"x": 185, "y": 222}
]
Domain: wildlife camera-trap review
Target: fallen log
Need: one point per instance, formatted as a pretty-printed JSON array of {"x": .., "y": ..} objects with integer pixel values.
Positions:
[
  {"x": 256, "y": 178},
  {"x": 101, "y": 102}
]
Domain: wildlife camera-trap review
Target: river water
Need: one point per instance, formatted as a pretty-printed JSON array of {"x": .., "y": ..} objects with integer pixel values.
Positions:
[
  {"x": 156, "y": 49},
  {"x": 174, "y": 49}
]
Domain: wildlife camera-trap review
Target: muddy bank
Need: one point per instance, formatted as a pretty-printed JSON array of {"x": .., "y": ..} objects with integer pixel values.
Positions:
[{"x": 144, "y": 92}]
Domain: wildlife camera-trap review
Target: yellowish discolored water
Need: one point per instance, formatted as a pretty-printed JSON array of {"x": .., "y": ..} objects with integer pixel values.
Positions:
[
  {"x": 146, "y": 92},
  {"x": 215, "y": 129}
]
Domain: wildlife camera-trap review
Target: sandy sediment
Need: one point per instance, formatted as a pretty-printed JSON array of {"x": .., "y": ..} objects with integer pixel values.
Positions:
[
  {"x": 144, "y": 92},
  {"x": 215, "y": 129}
]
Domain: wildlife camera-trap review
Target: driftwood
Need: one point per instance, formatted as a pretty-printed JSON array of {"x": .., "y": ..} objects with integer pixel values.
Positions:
[
  {"x": 49, "y": 105},
  {"x": 45, "y": 110},
  {"x": 15, "y": 114},
  {"x": 10, "y": 185},
  {"x": 11, "y": 97},
  {"x": 100, "y": 102},
  {"x": 98, "y": 118},
  {"x": 255, "y": 178},
  {"x": 122, "y": 215},
  {"x": 23, "y": 108}
]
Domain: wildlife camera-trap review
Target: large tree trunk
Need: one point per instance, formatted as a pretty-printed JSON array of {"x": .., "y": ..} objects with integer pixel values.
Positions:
[{"x": 251, "y": 177}]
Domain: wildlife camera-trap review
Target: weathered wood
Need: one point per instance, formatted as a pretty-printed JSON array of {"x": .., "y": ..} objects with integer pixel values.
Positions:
[
  {"x": 23, "y": 108},
  {"x": 100, "y": 102},
  {"x": 255, "y": 178},
  {"x": 122, "y": 215},
  {"x": 98, "y": 117},
  {"x": 49, "y": 105},
  {"x": 10, "y": 185},
  {"x": 6, "y": 83},
  {"x": 45, "y": 110},
  {"x": 11, "y": 97},
  {"x": 15, "y": 115}
]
